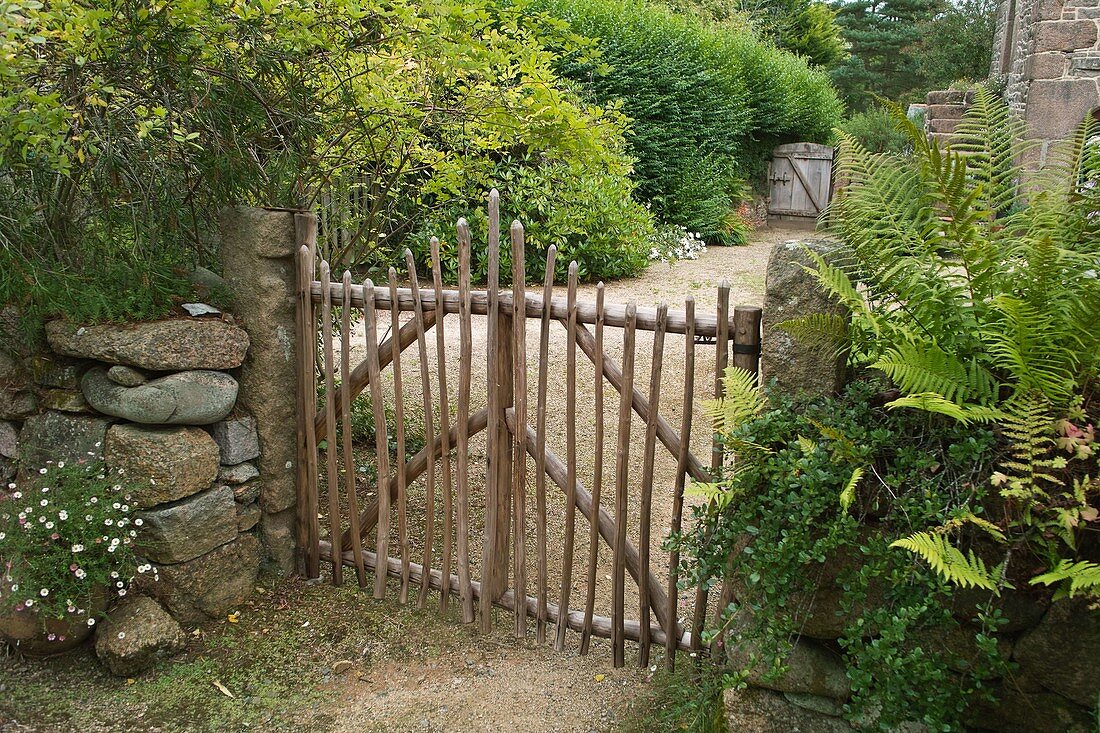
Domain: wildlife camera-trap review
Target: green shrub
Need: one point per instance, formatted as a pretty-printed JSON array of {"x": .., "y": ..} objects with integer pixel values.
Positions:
[
  {"x": 707, "y": 102},
  {"x": 795, "y": 509},
  {"x": 587, "y": 213},
  {"x": 877, "y": 131}
]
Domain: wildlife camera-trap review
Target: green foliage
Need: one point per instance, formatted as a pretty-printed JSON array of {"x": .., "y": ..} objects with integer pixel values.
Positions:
[
  {"x": 125, "y": 130},
  {"x": 875, "y": 131},
  {"x": 740, "y": 400},
  {"x": 66, "y": 539},
  {"x": 707, "y": 102},
  {"x": 793, "y": 542},
  {"x": 1076, "y": 576},
  {"x": 588, "y": 214},
  {"x": 688, "y": 699},
  {"x": 979, "y": 305},
  {"x": 965, "y": 571},
  {"x": 958, "y": 43},
  {"x": 883, "y": 38}
]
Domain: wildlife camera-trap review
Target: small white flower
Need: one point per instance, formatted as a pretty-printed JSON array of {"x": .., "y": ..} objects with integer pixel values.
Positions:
[
  {"x": 29, "y": 602},
  {"x": 61, "y": 464},
  {"x": 138, "y": 522},
  {"x": 17, "y": 494},
  {"x": 94, "y": 500},
  {"x": 78, "y": 548},
  {"x": 44, "y": 592},
  {"x": 44, "y": 502},
  {"x": 62, "y": 515},
  {"x": 121, "y": 593},
  {"x": 91, "y": 622},
  {"x": 122, "y": 634},
  {"x": 116, "y": 505},
  {"x": 42, "y": 471},
  {"x": 49, "y": 525}
]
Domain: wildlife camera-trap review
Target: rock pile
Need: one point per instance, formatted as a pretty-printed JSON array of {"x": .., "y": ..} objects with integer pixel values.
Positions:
[{"x": 157, "y": 401}]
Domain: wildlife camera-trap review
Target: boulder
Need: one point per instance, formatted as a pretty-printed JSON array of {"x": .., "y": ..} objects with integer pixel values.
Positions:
[
  {"x": 63, "y": 400},
  {"x": 162, "y": 464},
  {"x": 9, "y": 440},
  {"x": 137, "y": 634},
  {"x": 237, "y": 439},
  {"x": 247, "y": 493},
  {"x": 754, "y": 710},
  {"x": 172, "y": 345},
  {"x": 1062, "y": 652},
  {"x": 16, "y": 403},
  {"x": 210, "y": 585},
  {"x": 1031, "y": 711},
  {"x": 197, "y": 397},
  {"x": 800, "y": 366},
  {"x": 238, "y": 474},
  {"x": 811, "y": 669},
  {"x": 54, "y": 373},
  {"x": 185, "y": 529},
  {"x": 126, "y": 376},
  {"x": 59, "y": 436},
  {"x": 248, "y": 516}
]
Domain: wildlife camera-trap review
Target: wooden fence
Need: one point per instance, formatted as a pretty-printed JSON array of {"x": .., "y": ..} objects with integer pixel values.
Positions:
[{"x": 362, "y": 536}]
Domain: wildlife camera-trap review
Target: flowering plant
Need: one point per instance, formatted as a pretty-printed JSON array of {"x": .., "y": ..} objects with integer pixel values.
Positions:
[
  {"x": 672, "y": 242},
  {"x": 65, "y": 535}
]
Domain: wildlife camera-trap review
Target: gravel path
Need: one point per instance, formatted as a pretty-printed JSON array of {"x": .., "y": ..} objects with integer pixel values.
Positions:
[{"x": 531, "y": 686}]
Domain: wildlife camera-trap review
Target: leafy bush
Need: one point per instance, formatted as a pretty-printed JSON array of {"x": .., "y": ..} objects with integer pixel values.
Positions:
[
  {"x": 819, "y": 491},
  {"x": 876, "y": 131},
  {"x": 124, "y": 132},
  {"x": 587, "y": 213},
  {"x": 707, "y": 102}
]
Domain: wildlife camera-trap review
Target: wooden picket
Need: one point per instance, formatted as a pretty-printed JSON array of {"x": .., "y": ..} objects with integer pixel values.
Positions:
[{"x": 363, "y": 532}]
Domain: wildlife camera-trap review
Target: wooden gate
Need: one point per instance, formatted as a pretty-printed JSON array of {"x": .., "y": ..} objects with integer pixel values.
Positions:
[
  {"x": 801, "y": 182},
  {"x": 342, "y": 526}
]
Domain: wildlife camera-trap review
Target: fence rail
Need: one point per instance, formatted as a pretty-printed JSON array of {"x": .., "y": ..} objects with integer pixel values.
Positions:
[{"x": 514, "y": 438}]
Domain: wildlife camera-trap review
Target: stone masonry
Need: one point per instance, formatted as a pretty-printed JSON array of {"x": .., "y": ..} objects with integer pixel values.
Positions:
[{"x": 1048, "y": 54}]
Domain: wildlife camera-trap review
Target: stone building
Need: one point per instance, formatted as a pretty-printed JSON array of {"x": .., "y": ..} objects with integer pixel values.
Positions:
[{"x": 1047, "y": 52}]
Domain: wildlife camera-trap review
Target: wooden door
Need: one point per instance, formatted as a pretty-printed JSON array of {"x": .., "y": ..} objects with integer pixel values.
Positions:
[{"x": 801, "y": 181}]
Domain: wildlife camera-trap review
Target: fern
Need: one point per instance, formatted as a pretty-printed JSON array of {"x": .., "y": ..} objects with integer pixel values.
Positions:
[
  {"x": 848, "y": 493},
  {"x": 1083, "y": 577},
  {"x": 825, "y": 331},
  {"x": 741, "y": 399},
  {"x": 966, "y": 571},
  {"x": 928, "y": 368},
  {"x": 933, "y": 402}
]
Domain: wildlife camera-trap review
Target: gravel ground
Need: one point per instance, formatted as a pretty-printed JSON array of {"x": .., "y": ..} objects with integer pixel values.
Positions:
[{"x": 545, "y": 690}]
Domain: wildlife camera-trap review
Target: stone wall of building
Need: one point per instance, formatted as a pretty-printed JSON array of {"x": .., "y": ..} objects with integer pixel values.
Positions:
[{"x": 1047, "y": 53}]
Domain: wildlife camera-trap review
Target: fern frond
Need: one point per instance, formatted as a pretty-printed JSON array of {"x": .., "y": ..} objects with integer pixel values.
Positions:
[
  {"x": 1083, "y": 577},
  {"x": 925, "y": 367},
  {"x": 848, "y": 493},
  {"x": 826, "y": 331},
  {"x": 933, "y": 402},
  {"x": 741, "y": 399},
  {"x": 966, "y": 571}
]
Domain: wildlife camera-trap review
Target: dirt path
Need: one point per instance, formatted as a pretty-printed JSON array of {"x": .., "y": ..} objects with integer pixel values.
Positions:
[{"x": 517, "y": 682}]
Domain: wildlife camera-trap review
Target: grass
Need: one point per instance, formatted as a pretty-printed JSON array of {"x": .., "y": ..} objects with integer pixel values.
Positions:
[
  {"x": 689, "y": 699},
  {"x": 276, "y": 662}
]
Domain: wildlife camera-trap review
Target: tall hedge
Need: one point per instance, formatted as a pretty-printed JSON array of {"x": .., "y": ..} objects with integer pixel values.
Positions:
[{"x": 708, "y": 101}]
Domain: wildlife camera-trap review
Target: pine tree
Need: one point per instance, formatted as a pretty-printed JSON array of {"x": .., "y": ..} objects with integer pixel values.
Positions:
[{"x": 884, "y": 38}]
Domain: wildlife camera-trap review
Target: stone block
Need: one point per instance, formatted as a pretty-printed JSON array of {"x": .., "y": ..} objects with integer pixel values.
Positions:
[
  {"x": 55, "y": 373},
  {"x": 1046, "y": 66},
  {"x": 946, "y": 111},
  {"x": 162, "y": 464},
  {"x": 183, "y": 530},
  {"x": 1064, "y": 35},
  {"x": 278, "y": 534},
  {"x": 258, "y": 246},
  {"x": 9, "y": 440},
  {"x": 248, "y": 516},
  {"x": 16, "y": 403},
  {"x": 811, "y": 669},
  {"x": 173, "y": 345},
  {"x": 1056, "y": 107},
  {"x": 949, "y": 96},
  {"x": 63, "y": 400},
  {"x": 798, "y": 367},
  {"x": 59, "y": 436},
  {"x": 238, "y": 474},
  {"x": 1019, "y": 709},
  {"x": 1051, "y": 9},
  {"x": 247, "y": 493},
  {"x": 1061, "y": 653},
  {"x": 208, "y": 586},
  {"x": 237, "y": 439},
  {"x": 945, "y": 125},
  {"x": 126, "y": 376},
  {"x": 136, "y": 635},
  {"x": 1087, "y": 63},
  {"x": 754, "y": 710}
]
